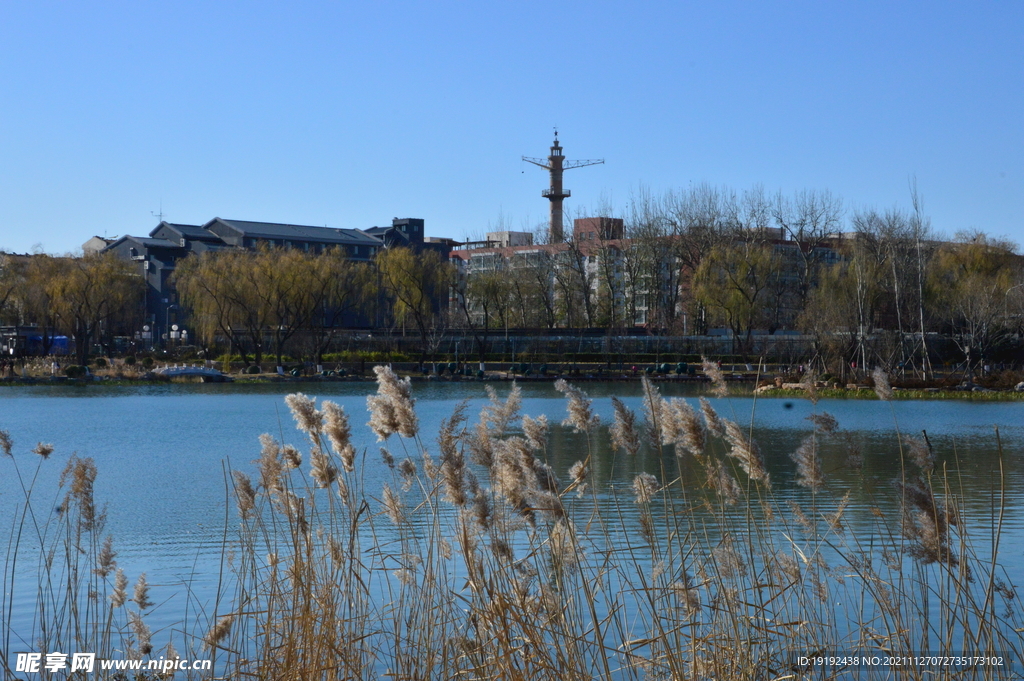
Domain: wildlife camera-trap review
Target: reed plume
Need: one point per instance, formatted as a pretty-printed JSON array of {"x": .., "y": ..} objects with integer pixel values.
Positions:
[
  {"x": 305, "y": 413},
  {"x": 882, "y": 387},
  {"x": 581, "y": 417},
  {"x": 536, "y": 432},
  {"x": 219, "y": 632},
  {"x": 579, "y": 473},
  {"x": 143, "y": 635},
  {"x": 392, "y": 408},
  {"x": 810, "y": 385},
  {"x": 721, "y": 481},
  {"x": 322, "y": 470},
  {"x": 105, "y": 562},
  {"x": 719, "y": 388},
  {"x": 808, "y": 466},
  {"x": 623, "y": 430},
  {"x": 711, "y": 420},
  {"x": 119, "y": 596},
  {"x": 43, "y": 449},
  {"x": 141, "y": 593},
  {"x": 681, "y": 426},
  {"x": 824, "y": 422},
  {"x": 245, "y": 495},
  {"x": 746, "y": 452},
  {"x": 500, "y": 413},
  {"x": 291, "y": 456},
  {"x": 271, "y": 468},
  {"x": 6, "y": 443},
  {"x": 393, "y": 505},
  {"x": 645, "y": 486},
  {"x": 82, "y": 475},
  {"x": 920, "y": 452},
  {"x": 339, "y": 433}
]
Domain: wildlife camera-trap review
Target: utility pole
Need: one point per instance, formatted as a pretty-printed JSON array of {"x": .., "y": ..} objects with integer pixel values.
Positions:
[{"x": 556, "y": 163}]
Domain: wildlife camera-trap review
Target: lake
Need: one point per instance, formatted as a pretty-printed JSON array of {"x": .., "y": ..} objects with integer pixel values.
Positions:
[{"x": 163, "y": 452}]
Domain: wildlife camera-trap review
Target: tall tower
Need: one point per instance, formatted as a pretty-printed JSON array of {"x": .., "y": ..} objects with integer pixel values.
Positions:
[{"x": 555, "y": 193}]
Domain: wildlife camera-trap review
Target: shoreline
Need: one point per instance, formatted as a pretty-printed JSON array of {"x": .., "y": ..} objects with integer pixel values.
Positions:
[{"x": 859, "y": 393}]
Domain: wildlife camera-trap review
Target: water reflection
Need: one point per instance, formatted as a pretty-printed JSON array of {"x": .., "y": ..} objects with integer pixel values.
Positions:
[{"x": 163, "y": 453}]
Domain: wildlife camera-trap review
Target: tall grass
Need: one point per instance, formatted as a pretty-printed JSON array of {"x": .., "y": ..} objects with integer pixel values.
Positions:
[{"x": 473, "y": 560}]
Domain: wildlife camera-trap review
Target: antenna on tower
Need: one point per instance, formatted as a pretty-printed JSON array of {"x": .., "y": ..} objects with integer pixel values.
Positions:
[
  {"x": 160, "y": 215},
  {"x": 555, "y": 165}
]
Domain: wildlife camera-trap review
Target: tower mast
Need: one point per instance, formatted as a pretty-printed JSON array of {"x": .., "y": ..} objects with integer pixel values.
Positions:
[{"x": 555, "y": 165}]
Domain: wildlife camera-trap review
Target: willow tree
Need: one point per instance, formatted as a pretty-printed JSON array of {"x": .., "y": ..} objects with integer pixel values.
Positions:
[
  {"x": 89, "y": 292},
  {"x": 737, "y": 282},
  {"x": 969, "y": 281},
  {"x": 211, "y": 286},
  {"x": 337, "y": 288},
  {"x": 417, "y": 284}
]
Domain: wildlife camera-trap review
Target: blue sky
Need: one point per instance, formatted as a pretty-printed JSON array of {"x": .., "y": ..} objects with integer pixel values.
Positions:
[{"x": 349, "y": 114}]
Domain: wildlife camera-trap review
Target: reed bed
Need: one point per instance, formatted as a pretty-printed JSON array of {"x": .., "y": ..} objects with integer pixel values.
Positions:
[{"x": 475, "y": 561}]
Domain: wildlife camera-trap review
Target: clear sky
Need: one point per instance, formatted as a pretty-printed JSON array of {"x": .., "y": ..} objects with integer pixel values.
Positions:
[{"x": 348, "y": 114}]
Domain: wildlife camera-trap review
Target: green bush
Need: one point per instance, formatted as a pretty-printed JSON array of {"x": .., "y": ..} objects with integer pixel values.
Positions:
[
  {"x": 100, "y": 363},
  {"x": 130, "y": 360},
  {"x": 147, "y": 362},
  {"x": 252, "y": 369},
  {"x": 75, "y": 371}
]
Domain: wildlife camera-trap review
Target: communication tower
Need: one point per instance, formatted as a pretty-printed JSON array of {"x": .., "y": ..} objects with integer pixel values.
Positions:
[{"x": 555, "y": 165}]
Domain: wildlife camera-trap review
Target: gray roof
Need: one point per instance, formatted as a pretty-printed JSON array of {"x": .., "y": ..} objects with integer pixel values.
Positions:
[
  {"x": 147, "y": 242},
  {"x": 274, "y": 230},
  {"x": 193, "y": 232}
]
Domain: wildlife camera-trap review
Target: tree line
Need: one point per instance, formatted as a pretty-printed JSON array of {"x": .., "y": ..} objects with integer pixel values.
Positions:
[
  {"x": 871, "y": 287},
  {"x": 261, "y": 301},
  {"x": 89, "y": 299}
]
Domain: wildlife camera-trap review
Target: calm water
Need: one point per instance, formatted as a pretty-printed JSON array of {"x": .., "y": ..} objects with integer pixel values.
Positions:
[{"x": 162, "y": 452}]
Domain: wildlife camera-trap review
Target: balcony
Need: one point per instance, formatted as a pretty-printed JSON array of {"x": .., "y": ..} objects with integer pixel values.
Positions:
[{"x": 549, "y": 193}]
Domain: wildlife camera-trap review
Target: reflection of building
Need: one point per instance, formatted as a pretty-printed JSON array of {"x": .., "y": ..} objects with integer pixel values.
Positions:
[{"x": 158, "y": 254}]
